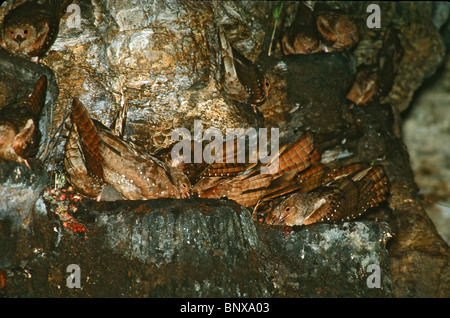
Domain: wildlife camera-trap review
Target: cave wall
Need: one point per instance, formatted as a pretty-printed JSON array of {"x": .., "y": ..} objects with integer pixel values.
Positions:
[{"x": 160, "y": 60}]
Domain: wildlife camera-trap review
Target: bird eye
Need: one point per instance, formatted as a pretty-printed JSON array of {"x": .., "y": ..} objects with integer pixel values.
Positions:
[
  {"x": 288, "y": 209},
  {"x": 184, "y": 185},
  {"x": 267, "y": 84},
  {"x": 25, "y": 31}
]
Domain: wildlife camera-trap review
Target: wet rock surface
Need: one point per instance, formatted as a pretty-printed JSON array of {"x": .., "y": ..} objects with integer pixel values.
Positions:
[
  {"x": 329, "y": 260},
  {"x": 20, "y": 188},
  {"x": 193, "y": 248}
]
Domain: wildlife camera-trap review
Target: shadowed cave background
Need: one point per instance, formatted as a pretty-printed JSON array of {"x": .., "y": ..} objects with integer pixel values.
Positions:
[{"x": 161, "y": 59}]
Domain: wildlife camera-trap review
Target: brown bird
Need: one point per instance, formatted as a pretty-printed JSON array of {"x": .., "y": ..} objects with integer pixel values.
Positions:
[
  {"x": 104, "y": 158},
  {"x": 374, "y": 80},
  {"x": 79, "y": 176},
  {"x": 248, "y": 186},
  {"x": 302, "y": 36},
  {"x": 243, "y": 81},
  {"x": 188, "y": 165},
  {"x": 30, "y": 29},
  {"x": 292, "y": 158},
  {"x": 313, "y": 177},
  {"x": 231, "y": 158},
  {"x": 342, "y": 199},
  {"x": 366, "y": 85},
  {"x": 337, "y": 29},
  {"x": 19, "y": 125},
  {"x": 317, "y": 175},
  {"x": 226, "y": 162}
]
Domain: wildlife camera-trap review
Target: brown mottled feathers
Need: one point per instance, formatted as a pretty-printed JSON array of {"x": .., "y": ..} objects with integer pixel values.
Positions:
[
  {"x": 350, "y": 197},
  {"x": 77, "y": 173},
  {"x": 313, "y": 177},
  {"x": 366, "y": 85},
  {"x": 242, "y": 189},
  {"x": 243, "y": 81},
  {"x": 89, "y": 138},
  {"x": 337, "y": 29},
  {"x": 302, "y": 37},
  {"x": 30, "y": 29},
  {"x": 297, "y": 156},
  {"x": 131, "y": 172},
  {"x": 226, "y": 163},
  {"x": 185, "y": 162},
  {"x": 344, "y": 198},
  {"x": 374, "y": 81},
  {"x": 135, "y": 174},
  {"x": 37, "y": 98},
  {"x": 290, "y": 158},
  {"x": 321, "y": 29},
  {"x": 249, "y": 186},
  {"x": 315, "y": 192},
  {"x": 19, "y": 125}
]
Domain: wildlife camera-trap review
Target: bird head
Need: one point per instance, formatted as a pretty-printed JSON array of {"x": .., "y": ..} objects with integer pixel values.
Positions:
[
  {"x": 181, "y": 182},
  {"x": 294, "y": 210}
]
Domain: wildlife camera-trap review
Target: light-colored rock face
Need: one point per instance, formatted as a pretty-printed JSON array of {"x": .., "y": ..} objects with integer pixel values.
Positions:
[
  {"x": 426, "y": 133},
  {"x": 159, "y": 59}
]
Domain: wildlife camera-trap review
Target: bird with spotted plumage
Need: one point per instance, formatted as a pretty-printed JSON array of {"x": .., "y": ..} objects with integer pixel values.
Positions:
[
  {"x": 19, "y": 125},
  {"x": 343, "y": 199},
  {"x": 243, "y": 81},
  {"x": 245, "y": 183},
  {"x": 302, "y": 36},
  {"x": 337, "y": 29},
  {"x": 30, "y": 29},
  {"x": 318, "y": 28},
  {"x": 95, "y": 157}
]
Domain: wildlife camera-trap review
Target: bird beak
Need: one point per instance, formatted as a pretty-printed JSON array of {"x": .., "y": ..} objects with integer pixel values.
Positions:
[
  {"x": 186, "y": 194},
  {"x": 19, "y": 39}
]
